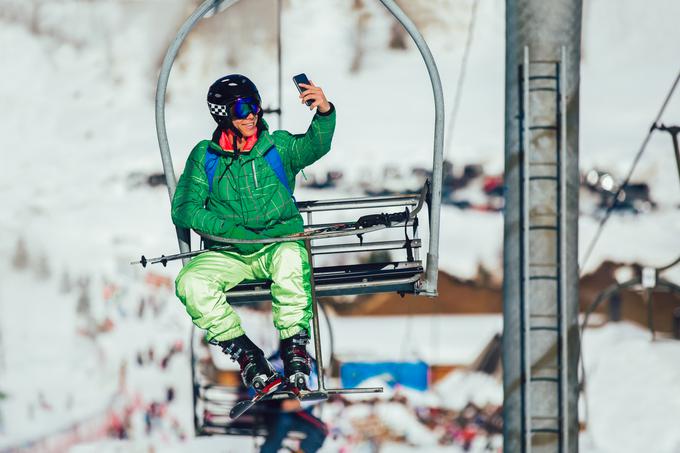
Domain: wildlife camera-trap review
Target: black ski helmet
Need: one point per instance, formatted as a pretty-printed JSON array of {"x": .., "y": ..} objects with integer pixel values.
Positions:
[{"x": 225, "y": 91}]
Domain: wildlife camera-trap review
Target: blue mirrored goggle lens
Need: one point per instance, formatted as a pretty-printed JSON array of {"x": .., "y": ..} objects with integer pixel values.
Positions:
[{"x": 243, "y": 107}]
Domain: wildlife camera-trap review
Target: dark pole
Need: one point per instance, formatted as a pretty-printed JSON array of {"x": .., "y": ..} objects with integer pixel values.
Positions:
[
  {"x": 674, "y": 131},
  {"x": 278, "y": 56},
  {"x": 676, "y": 323},
  {"x": 315, "y": 321},
  {"x": 615, "y": 307},
  {"x": 649, "y": 301},
  {"x": 543, "y": 27},
  {"x": 677, "y": 149}
]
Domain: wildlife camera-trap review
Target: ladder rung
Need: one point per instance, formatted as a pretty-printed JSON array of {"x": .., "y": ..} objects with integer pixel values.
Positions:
[
  {"x": 545, "y": 430},
  {"x": 544, "y": 379},
  {"x": 538, "y": 315},
  {"x": 543, "y": 77},
  {"x": 550, "y": 328},
  {"x": 543, "y": 89},
  {"x": 542, "y": 227},
  {"x": 543, "y": 127},
  {"x": 539, "y": 178},
  {"x": 542, "y": 277},
  {"x": 555, "y": 265}
]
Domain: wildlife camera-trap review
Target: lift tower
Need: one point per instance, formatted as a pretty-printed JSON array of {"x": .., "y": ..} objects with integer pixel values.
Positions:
[{"x": 540, "y": 289}]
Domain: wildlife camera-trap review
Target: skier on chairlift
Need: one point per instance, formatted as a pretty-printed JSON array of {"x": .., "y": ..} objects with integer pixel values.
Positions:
[{"x": 239, "y": 185}]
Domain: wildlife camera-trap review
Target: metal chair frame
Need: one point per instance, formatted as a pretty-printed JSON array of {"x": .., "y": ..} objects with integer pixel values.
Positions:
[{"x": 408, "y": 276}]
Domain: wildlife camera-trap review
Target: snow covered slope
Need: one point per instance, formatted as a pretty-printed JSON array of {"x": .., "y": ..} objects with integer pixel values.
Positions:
[
  {"x": 77, "y": 97},
  {"x": 633, "y": 389}
]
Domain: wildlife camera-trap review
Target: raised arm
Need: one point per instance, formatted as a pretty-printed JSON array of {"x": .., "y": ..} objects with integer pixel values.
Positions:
[{"x": 307, "y": 148}]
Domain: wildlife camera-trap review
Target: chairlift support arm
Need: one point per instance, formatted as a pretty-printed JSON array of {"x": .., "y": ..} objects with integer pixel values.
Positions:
[{"x": 432, "y": 266}]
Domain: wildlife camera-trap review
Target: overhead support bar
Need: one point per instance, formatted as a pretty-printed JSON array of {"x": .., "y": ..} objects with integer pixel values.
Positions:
[
  {"x": 431, "y": 270},
  {"x": 384, "y": 201},
  {"x": 161, "y": 89}
]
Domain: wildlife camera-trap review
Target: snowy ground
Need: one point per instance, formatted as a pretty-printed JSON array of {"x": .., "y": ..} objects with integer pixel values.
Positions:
[
  {"x": 79, "y": 120},
  {"x": 633, "y": 390}
]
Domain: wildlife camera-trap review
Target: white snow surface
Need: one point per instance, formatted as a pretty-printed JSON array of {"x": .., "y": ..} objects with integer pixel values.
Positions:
[
  {"x": 77, "y": 93},
  {"x": 461, "y": 387},
  {"x": 633, "y": 391},
  {"x": 436, "y": 339},
  {"x": 402, "y": 421}
]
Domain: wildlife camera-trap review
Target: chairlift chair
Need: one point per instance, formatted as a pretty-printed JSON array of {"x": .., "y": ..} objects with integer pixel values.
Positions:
[{"x": 407, "y": 275}]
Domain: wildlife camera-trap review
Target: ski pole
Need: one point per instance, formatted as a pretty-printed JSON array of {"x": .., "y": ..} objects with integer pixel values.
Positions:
[
  {"x": 178, "y": 256},
  {"x": 338, "y": 230},
  {"x": 365, "y": 224}
]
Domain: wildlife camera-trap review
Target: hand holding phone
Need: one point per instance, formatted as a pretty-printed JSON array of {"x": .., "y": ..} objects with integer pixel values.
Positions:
[
  {"x": 302, "y": 78},
  {"x": 311, "y": 94}
]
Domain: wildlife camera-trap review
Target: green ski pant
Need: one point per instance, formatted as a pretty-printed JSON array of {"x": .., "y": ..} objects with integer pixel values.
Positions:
[{"x": 203, "y": 282}]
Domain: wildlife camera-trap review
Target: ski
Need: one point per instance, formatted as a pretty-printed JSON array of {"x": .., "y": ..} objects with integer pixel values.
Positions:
[{"x": 243, "y": 406}]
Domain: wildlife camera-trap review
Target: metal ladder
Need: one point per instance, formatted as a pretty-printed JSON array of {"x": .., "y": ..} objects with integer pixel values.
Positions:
[{"x": 543, "y": 255}]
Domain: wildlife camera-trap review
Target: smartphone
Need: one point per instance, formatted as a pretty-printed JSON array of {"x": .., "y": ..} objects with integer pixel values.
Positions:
[{"x": 302, "y": 78}]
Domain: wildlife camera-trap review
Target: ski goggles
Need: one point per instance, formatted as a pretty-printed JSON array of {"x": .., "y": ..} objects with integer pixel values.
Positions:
[{"x": 242, "y": 107}]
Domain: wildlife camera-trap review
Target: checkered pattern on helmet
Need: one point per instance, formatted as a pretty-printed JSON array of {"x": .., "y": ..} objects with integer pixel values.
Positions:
[{"x": 217, "y": 109}]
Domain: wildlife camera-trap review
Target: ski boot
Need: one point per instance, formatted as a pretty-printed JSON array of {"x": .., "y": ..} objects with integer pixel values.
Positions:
[
  {"x": 256, "y": 371},
  {"x": 296, "y": 361}
]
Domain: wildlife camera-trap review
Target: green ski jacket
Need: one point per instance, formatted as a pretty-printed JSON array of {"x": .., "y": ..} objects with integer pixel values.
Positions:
[{"x": 247, "y": 200}]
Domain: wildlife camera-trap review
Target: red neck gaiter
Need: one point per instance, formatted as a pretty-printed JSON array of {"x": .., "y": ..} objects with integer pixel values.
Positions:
[{"x": 227, "y": 141}]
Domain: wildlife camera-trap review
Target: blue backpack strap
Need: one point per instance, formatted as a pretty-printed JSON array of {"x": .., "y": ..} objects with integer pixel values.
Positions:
[
  {"x": 273, "y": 158},
  {"x": 210, "y": 164}
]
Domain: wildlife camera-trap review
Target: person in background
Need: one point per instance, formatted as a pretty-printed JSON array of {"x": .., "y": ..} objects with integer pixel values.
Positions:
[{"x": 290, "y": 415}]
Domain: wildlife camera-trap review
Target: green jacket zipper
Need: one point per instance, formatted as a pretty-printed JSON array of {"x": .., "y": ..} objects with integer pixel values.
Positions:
[{"x": 252, "y": 163}]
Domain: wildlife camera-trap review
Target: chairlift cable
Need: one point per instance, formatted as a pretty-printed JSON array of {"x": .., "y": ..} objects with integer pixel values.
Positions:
[
  {"x": 612, "y": 204},
  {"x": 669, "y": 265},
  {"x": 662, "y": 282},
  {"x": 461, "y": 78}
]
